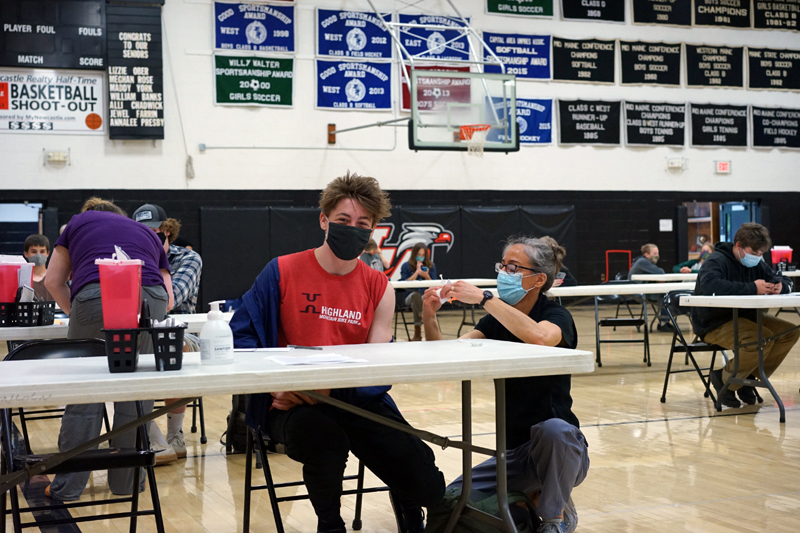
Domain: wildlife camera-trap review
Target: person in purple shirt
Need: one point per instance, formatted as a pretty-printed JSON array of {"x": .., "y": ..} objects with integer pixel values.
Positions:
[{"x": 88, "y": 236}]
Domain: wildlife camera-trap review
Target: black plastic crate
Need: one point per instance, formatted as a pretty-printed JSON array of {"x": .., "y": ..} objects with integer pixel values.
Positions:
[
  {"x": 122, "y": 349},
  {"x": 22, "y": 314},
  {"x": 168, "y": 347},
  {"x": 47, "y": 313}
]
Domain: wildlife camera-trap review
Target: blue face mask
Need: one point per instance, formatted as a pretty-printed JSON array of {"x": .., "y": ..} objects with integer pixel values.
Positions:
[
  {"x": 509, "y": 287},
  {"x": 420, "y": 258},
  {"x": 750, "y": 260}
]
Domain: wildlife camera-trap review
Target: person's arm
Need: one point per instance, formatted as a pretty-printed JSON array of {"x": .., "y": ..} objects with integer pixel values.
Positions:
[
  {"x": 386, "y": 262},
  {"x": 168, "y": 286},
  {"x": 686, "y": 264},
  {"x": 186, "y": 278},
  {"x": 405, "y": 272},
  {"x": 381, "y": 329},
  {"x": 519, "y": 324},
  {"x": 57, "y": 276},
  {"x": 646, "y": 267},
  {"x": 711, "y": 281},
  {"x": 430, "y": 305}
]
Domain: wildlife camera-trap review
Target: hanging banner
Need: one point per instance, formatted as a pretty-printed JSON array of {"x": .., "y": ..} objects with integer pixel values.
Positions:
[
  {"x": 254, "y": 27},
  {"x": 135, "y": 73},
  {"x": 587, "y": 61},
  {"x": 525, "y": 8},
  {"x": 714, "y": 66},
  {"x": 662, "y": 12},
  {"x": 588, "y": 122},
  {"x": 247, "y": 80},
  {"x": 655, "y": 124},
  {"x": 435, "y": 44},
  {"x": 350, "y": 85},
  {"x": 53, "y": 35},
  {"x": 719, "y": 125},
  {"x": 776, "y": 14},
  {"x": 353, "y": 34},
  {"x": 592, "y": 10},
  {"x": 727, "y": 14},
  {"x": 526, "y": 56},
  {"x": 534, "y": 121},
  {"x": 433, "y": 93},
  {"x": 52, "y": 101},
  {"x": 776, "y": 127},
  {"x": 773, "y": 69},
  {"x": 650, "y": 63}
]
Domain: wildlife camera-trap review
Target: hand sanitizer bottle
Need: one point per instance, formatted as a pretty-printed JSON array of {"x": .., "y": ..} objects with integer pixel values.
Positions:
[{"x": 216, "y": 338}]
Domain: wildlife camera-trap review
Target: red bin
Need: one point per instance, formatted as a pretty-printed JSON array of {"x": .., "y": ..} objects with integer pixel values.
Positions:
[
  {"x": 9, "y": 282},
  {"x": 121, "y": 292},
  {"x": 780, "y": 254}
]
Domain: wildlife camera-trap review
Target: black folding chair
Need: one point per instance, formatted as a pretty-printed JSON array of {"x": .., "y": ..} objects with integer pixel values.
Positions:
[
  {"x": 671, "y": 303},
  {"x": 89, "y": 460},
  {"x": 53, "y": 349},
  {"x": 615, "y": 322},
  {"x": 259, "y": 443},
  {"x": 400, "y": 310}
]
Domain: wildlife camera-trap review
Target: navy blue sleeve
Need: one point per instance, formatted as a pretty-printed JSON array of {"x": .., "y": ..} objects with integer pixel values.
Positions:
[{"x": 405, "y": 271}]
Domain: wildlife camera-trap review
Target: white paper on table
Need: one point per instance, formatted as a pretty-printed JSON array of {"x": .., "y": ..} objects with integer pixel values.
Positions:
[
  {"x": 284, "y": 349},
  {"x": 322, "y": 359}
]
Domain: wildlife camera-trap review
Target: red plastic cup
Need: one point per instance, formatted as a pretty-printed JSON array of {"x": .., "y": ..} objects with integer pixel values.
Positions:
[
  {"x": 9, "y": 282},
  {"x": 121, "y": 292}
]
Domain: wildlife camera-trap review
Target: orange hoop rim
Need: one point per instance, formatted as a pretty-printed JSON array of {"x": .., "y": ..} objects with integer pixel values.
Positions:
[{"x": 468, "y": 130}]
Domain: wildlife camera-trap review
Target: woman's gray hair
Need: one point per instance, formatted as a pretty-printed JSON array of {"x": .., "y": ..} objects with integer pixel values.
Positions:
[{"x": 541, "y": 256}]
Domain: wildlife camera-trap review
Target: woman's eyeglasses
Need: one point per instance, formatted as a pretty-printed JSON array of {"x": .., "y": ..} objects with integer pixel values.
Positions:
[{"x": 511, "y": 269}]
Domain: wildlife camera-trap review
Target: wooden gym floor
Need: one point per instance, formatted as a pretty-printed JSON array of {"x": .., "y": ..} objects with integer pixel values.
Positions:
[{"x": 676, "y": 466}]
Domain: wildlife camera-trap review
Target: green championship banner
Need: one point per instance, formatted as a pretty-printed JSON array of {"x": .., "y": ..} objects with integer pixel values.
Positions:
[
  {"x": 527, "y": 8},
  {"x": 249, "y": 80}
]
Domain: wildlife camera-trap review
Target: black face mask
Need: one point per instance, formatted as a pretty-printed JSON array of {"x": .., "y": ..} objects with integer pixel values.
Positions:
[
  {"x": 347, "y": 242},
  {"x": 161, "y": 237}
]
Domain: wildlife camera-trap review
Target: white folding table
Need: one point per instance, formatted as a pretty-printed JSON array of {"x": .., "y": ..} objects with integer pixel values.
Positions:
[
  {"x": 760, "y": 304},
  {"x": 194, "y": 323},
  {"x": 87, "y": 380},
  {"x": 665, "y": 277}
]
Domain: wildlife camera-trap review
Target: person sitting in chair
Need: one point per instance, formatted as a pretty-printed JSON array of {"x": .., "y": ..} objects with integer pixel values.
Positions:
[
  {"x": 419, "y": 267},
  {"x": 738, "y": 269},
  {"x": 295, "y": 300}
]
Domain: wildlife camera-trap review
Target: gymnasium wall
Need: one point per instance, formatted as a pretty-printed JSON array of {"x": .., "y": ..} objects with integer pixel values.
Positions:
[{"x": 293, "y": 153}]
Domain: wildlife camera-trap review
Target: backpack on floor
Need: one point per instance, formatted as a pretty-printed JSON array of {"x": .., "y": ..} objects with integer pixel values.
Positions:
[{"x": 522, "y": 512}]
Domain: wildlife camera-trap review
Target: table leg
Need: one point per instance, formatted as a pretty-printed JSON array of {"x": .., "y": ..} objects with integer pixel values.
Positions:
[
  {"x": 466, "y": 454},
  {"x": 500, "y": 447},
  {"x": 762, "y": 375}
]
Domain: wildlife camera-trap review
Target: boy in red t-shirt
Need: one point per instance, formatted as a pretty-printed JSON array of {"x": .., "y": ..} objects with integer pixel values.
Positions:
[{"x": 326, "y": 296}]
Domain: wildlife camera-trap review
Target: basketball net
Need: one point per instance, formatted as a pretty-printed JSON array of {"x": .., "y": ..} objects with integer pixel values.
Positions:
[{"x": 475, "y": 135}]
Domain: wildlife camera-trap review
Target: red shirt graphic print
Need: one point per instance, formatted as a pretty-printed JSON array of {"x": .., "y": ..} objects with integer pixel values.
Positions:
[{"x": 320, "y": 309}]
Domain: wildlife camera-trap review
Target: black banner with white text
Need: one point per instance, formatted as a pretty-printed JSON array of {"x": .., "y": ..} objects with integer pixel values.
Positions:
[
  {"x": 655, "y": 124},
  {"x": 587, "y": 61},
  {"x": 719, "y": 125},
  {"x": 588, "y": 122}
]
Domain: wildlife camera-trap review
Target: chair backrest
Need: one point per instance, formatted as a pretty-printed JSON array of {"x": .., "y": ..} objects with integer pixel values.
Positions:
[
  {"x": 672, "y": 302},
  {"x": 58, "y": 349}
]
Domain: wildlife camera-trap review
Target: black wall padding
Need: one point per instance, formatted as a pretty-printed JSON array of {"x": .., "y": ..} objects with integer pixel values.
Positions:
[
  {"x": 485, "y": 229},
  {"x": 294, "y": 229},
  {"x": 440, "y": 229},
  {"x": 557, "y": 221},
  {"x": 235, "y": 246}
]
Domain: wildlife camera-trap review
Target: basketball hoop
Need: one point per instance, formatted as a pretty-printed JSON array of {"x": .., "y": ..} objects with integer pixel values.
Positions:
[{"x": 475, "y": 135}]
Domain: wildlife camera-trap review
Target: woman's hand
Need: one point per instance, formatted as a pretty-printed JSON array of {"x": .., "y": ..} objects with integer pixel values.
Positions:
[{"x": 463, "y": 292}]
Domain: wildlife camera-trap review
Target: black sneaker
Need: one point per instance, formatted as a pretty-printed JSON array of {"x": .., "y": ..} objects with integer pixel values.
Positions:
[
  {"x": 331, "y": 526},
  {"x": 410, "y": 518},
  {"x": 746, "y": 393},
  {"x": 729, "y": 398},
  {"x": 666, "y": 327}
]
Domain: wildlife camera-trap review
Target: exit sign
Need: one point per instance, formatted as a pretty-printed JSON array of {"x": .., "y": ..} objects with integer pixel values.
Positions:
[{"x": 723, "y": 167}]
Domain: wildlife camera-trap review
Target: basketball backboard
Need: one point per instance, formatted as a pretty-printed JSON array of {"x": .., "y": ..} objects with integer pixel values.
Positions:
[{"x": 443, "y": 101}]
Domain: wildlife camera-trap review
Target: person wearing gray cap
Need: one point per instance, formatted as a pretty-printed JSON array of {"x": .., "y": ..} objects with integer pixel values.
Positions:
[{"x": 185, "y": 267}]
